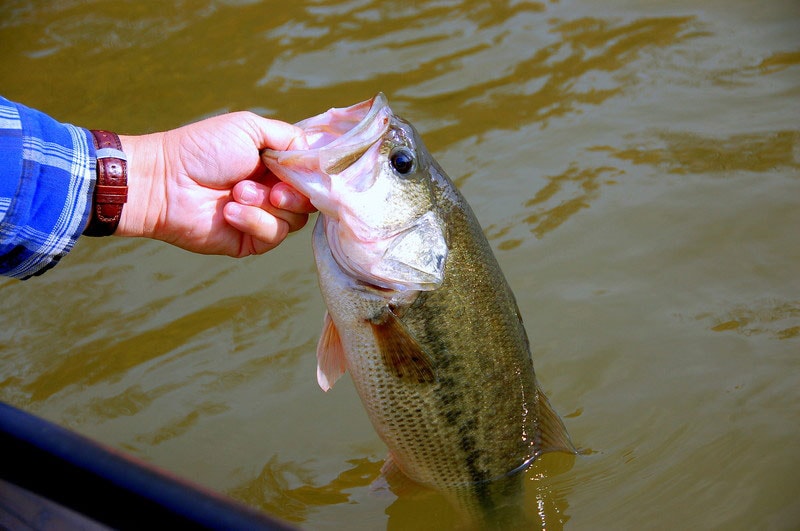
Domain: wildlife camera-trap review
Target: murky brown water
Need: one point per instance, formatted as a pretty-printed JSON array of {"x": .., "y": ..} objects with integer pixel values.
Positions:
[{"x": 636, "y": 165}]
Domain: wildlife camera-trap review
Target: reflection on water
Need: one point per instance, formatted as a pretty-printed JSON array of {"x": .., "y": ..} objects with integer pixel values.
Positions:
[
  {"x": 162, "y": 345},
  {"x": 777, "y": 319},
  {"x": 779, "y": 61},
  {"x": 290, "y": 489},
  {"x": 557, "y": 201},
  {"x": 272, "y": 487},
  {"x": 681, "y": 153},
  {"x": 634, "y": 164},
  {"x": 574, "y": 68}
]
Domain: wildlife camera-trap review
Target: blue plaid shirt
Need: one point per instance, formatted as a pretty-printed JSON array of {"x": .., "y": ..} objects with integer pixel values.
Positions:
[{"x": 47, "y": 177}]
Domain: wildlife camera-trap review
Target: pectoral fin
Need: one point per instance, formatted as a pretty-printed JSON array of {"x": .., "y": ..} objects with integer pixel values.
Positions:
[
  {"x": 403, "y": 355},
  {"x": 331, "y": 363}
]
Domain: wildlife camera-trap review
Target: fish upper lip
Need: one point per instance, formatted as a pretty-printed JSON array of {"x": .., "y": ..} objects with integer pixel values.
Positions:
[
  {"x": 337, "y": 154},
  {"x": 377, "y": 105},
  {"x": 345, "y": 141},
  {"x": 340, "y": 153}
]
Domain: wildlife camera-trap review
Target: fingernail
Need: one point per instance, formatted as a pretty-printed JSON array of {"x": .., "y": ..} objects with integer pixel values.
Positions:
[
  {"x": 234, "y": 210},
  {"x": 249, "y": 193},
  {"x": 287, "y": 199},
  {"x": 278, "y": 198}
]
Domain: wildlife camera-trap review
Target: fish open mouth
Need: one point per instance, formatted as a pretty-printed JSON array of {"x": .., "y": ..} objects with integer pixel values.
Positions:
[
  {"x": 342, "y": 127},
  {"x": 332, "y": 142}
]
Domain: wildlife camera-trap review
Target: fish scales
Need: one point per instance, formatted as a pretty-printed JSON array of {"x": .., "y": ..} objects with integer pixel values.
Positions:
[{"x": 423, "y": 318}]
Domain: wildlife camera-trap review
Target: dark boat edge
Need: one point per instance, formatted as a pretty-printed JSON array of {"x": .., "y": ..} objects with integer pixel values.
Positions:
[{"x": 51, "y": 475}]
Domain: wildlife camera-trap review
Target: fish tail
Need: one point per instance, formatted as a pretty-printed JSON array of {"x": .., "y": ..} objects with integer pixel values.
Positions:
[{"x": 550, "y": 432}]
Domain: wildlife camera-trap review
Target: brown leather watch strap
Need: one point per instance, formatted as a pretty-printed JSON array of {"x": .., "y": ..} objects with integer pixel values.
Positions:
[{"x": 111, "y": 190}]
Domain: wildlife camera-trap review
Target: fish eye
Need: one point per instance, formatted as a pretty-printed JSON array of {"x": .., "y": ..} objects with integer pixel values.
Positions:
[{"x": 402, "y": 161}]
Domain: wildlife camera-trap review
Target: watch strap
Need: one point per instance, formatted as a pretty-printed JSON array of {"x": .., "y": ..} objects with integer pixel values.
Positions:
[{"x": 111, "y": 188}]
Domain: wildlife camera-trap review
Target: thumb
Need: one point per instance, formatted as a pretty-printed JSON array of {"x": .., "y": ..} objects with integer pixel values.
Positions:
[{"x": 273, "y": 134}]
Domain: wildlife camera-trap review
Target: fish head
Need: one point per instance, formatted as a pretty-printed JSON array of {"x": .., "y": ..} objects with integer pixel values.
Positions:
[{"x": 373, "y": 181}]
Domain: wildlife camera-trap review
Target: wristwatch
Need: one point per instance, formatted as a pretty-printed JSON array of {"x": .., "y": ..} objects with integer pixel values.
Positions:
[{"x": 111, "y": 189}]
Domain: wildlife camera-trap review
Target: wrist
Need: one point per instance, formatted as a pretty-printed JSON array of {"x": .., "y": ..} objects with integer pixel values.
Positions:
[
  {"x": 110, "y": 191},
  {"x": 145, "y": 178}
]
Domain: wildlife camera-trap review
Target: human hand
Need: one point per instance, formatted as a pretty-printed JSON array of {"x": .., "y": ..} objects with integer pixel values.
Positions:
[{"x": 203, "y": 187}]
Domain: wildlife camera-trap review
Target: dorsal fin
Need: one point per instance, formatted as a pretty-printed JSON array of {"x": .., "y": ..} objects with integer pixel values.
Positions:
[
  {"x": 331, "y": 362},
  {"x": 403, "y": 355}
]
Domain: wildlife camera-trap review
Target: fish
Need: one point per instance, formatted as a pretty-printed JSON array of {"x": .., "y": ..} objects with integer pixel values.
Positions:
[{"x": 418, "y": 310}]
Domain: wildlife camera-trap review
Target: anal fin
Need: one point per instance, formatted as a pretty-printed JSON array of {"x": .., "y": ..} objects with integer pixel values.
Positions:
[{"x": 394, "y": 480}]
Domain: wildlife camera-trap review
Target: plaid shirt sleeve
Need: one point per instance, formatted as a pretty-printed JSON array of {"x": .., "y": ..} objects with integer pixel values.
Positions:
[{"x": 47, "y": 176}]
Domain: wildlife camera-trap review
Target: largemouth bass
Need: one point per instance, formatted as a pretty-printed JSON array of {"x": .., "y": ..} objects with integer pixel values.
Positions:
[{"x": 419, "y": 311}]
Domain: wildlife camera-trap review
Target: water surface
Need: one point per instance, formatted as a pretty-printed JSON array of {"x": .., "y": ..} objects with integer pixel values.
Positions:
[{"x": 636, "y": 166}]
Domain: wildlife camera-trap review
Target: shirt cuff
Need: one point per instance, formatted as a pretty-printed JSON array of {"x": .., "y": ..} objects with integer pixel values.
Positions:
[{"x": 47, "y": 176}]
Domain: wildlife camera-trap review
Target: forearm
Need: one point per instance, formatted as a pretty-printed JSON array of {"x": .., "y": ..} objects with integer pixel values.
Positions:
[{"x": 46, "y": 182}]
